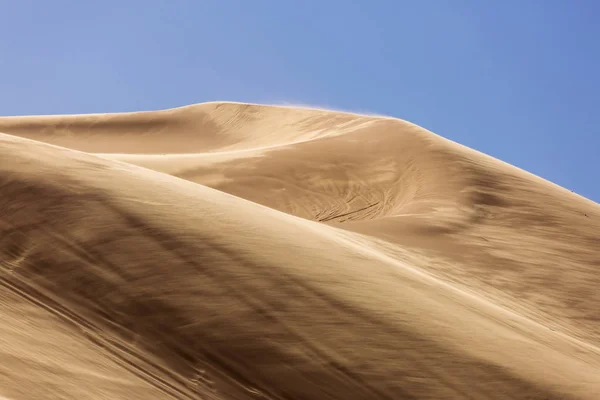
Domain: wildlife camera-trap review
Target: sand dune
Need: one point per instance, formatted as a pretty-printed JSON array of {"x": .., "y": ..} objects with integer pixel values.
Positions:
[{"x": 236, "y": 251}]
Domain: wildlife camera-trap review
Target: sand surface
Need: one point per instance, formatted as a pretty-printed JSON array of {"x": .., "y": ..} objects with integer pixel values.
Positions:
[{"x": 237, "y": 251}]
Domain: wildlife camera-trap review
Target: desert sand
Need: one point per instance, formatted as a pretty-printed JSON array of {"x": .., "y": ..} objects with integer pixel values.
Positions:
[{"x": 241, "y": 251}]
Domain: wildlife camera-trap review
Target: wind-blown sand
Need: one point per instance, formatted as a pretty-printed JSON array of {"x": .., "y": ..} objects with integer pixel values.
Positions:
[{"x": 236, "y": 251}]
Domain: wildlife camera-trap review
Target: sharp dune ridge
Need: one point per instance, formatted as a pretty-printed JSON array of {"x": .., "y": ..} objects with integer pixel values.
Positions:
[{"x": 242, "y": 251}]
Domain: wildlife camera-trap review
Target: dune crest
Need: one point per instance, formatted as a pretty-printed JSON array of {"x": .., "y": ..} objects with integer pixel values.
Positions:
[{"x": 237, "y": 251}]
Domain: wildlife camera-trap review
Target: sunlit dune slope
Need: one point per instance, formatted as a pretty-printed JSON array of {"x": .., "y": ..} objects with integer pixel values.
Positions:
[
  {"x": 335, "y": 256},
  {"x": 204, "y": 293},
  {"x": 197, "y": 128}
]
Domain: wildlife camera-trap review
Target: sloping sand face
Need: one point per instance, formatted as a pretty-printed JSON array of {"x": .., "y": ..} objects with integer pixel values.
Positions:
[{"x": 235, "y": 251}]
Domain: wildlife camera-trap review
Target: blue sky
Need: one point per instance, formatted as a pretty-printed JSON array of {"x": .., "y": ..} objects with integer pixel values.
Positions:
[{"x": 516, "y": 79}]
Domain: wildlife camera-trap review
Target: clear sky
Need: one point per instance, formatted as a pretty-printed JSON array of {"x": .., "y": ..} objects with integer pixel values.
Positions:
[{"x": 516, "y": 79}]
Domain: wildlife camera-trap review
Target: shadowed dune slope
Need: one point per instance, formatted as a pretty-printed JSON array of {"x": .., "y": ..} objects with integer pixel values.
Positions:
[{"x": 335, "y": 256}]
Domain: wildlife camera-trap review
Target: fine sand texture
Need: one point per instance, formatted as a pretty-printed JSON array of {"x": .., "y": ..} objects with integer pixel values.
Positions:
[{"x": 241, "y": 251}]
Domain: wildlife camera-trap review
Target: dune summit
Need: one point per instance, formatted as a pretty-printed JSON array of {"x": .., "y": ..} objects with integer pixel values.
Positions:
[{"x": 239, "y": 251}]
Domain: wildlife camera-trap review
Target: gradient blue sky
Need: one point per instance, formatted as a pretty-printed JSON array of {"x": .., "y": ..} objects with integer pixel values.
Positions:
[{"x": 517, "y": 79}]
